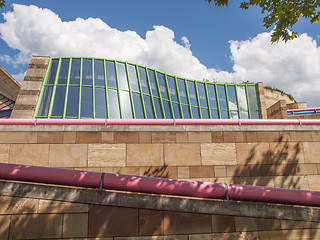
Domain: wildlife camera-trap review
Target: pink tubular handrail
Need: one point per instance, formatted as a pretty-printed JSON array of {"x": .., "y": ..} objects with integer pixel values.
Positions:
[
  {"x": 157, "y": 185},
  {"x": 303, "y": 110}
]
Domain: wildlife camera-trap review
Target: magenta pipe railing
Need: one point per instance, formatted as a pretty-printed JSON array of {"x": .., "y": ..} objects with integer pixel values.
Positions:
[
  {"x": 303, "y": 110},
  {"x": 157, "y": 185},
  {"x": 159, "y": 121}
]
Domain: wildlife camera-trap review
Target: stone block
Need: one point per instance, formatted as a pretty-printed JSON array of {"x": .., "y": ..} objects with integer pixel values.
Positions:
[
  {"x": 16, "y": 205},
  {"x": 4, "y": 226},
  {"x": 27, "y": 100},
  {"x": 201, "y": 171},
  {"x": 300, "y": 234},
  {"x": 182, "y": 137},
  {"x": 311, "y": 152},
  {"x": 186, "y": 223},
  {"x": 251, "y": 136},
  {"x": 107, "y": 170},
  {"x": 18, "y": 137},
  {"x": 307, "y": 169},
  {"x": 160, "y": 171},
  {"x": 314, "y": 182},
  {"x": 69, "y": 137},
  {"x": 107, "y": 137},
  {"x": 290, "y": 224},
  {"x": 315, "y": 136},
  {"x": 286, "y": 152},
  {"x": 88, "y": 137},
  {"x": 4, "y": 153},
  {"x": 106, "y": 221},
  {"x": 199, "y": 137},
  {"x": 218, "y": 154},
  {"x": 145, "y": 155},
  {"x": 127, "y": 170},
  {"x": 182, "y": 154},
  {"x": 68, "y": 155},
  {"x": 217, "y": 137},
  {"x": 183, "y": 172},
  {"x": 23, "y": 114},
  {"x": 231, "y": 137},
  {"x": 75, "y": 225},
  {"x": 36, "y": 72},
  {"x": 253, "y": 153},
  {"x": 163, "y": 137},
  {"x": 50, "y": 137},
  {"x": 220, "y": 171},
  {"x": 47, "y": 206},
  {"x": 150, "y": 222},
  {"x": 36, "y": 226},
  {"x": 222, "y": 223},
  {"x": 256, "y": 181},
  {"x": 292, "y": 182},
  {"x": 271, "y": 170},
  {"x": 225, "y": 236},
  {"x": 145, "y": 137},
  {"x": 298, "y": 136},
  {"x": 126, "y": 137},
  {"x": 29, "y": 154},
  {"x": 268, "y": 136},
  {"x": 107, "y": 155},
  {"x": 256, "y": 224},
  {"x": 238, "y": 171},
  {"x": 31, "y": 85}
]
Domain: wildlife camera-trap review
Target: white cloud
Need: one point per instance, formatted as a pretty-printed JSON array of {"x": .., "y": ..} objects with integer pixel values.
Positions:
[{"x": 293, "y": 66}]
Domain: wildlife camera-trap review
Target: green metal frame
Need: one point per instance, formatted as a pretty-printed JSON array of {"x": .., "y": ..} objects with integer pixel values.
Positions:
[{"x": 140, "y": 92}]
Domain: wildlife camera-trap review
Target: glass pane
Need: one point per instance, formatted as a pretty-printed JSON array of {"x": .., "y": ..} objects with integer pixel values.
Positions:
[
  {"x": 143, "y": 80},
  {"x": 53, "y": 71},
  {"x": 204, "y": 113},
  {"x": 99, "y": 73},
  {"x": 125, "y": 105},
  {"x": 75, "y": 71},
  {"x": 202, "y": 95},
  {"x": 162, "y": 86},
  {"x": 86, "y": 102},
  {"x": 176, "y": 110},
  {"x": 45, "y": 101},
  {"x": 157, "y": 107},
  {"x": 212, "y": 96},
  {"x": 100, "y": 103},
  {"x": 195, "y": 113},
  {"x": 172, "y": 89},
  {"x": 214, "y": 114},
  {"x": 232, "y": 97},
  {"x": 87, "y": 72},
  {"x": 224, "y": 114},
  {"x": 148, "y": 106},
  {"x": 58, "y": 104},
  {"x": 153, "y": 83},
  {"x": 167, "y": 110},
  {"x": 241, "y": 91},
  {"x": 137, "y": 105},
  {"x": 192, "y": 93},
  {"x": 64, "y": 69},
  {"x": 111, "y": 75},
  {"x": 186, "y": 113},
  {"x": 182, "y": 91},
  {"x": 253, "y": 102},
  {"x": 113, "y": 104},
  {"x": 73, "y": 102},
  {"x": 244, "y": 115},
  {"x": 234, "y": 115},
  {"x": 222, "y": 97},
  {"x": 255, "y": 115},
  {"x": 122, "y": 76},
  {"x": 133, "y": 78}
]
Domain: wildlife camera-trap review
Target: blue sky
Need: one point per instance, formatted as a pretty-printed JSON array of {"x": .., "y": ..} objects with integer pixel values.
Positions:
[{"x": 225, "y": 44}]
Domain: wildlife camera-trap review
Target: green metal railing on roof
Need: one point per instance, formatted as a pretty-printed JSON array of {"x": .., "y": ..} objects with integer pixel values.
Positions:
[{"x": 103, "y": 88}]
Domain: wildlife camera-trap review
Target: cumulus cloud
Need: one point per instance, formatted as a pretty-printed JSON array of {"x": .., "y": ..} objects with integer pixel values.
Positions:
[{"x": 293, "y": 66}]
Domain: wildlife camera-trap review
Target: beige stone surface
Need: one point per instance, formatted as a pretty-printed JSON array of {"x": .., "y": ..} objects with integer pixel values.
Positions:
[
  {"x": 314, "y": 182},
  {"x": 182, "y": 154},
  {"x": 199, "y": 137},
  {"x": 107, "y": 155},
  {"x": 16, "y": 205},
  {"x": 145, "y": 137},
  {"x": 183, "y": 172},
  {"x": 311, "y": 152},
  {"x": 163, "y": 137},
  {"x": 220, "y": 171},
  {"x": 254, "y": 224},
  {"x": 4, "y": 153},
  {"x": 47, "y": 206},
  {"x": 127, "y": 170},
  {"x": 268, "y": 136},
  {"x": 31, "y": 85},
  {"x": 50, "y": 137},
  {"x": 304, "y": 136},
  {"x": 107, "y": 137},
  {"x": 4, "y": 226},
  {"x": 234, "y": 137},
  {"x": 27, "y": 99},
  {"x": 126, "y": 137},
  {"x": 145, "y": 155},
  {"x": 217, "y": 136},
  {"x": 24, "y": 114},
  {"x": 75, "y": 225},
  {"x": 18, "y": 137},
  {"x": 218, "y": 154},
  {"x": 69, "y": 137},
  {"x": 253, "y": 153},
  {"x": 68, "y": 155},
  {"x": 88, "y": 137},
  {"x": 36, "y": 226},
  {"x": 299, "y": 234},
  {"x": 29, "y": 154},
  {"x": 182, "y": 137},
  {"x": 201, "y": 171},
  {"x": 286, "y": 152},
  {"x": 292, "y": 182}
]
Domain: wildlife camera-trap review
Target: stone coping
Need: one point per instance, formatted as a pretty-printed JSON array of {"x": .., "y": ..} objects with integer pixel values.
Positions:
[{"x": 158, "y": 202}]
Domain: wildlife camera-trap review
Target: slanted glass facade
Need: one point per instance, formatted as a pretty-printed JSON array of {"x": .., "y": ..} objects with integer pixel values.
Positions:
[{"x": 102, "y": 88}]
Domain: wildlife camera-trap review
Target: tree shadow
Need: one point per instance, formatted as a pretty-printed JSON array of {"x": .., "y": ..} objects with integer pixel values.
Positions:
[{"x": 161, "y": 172}]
